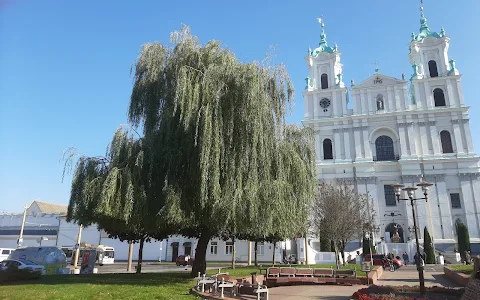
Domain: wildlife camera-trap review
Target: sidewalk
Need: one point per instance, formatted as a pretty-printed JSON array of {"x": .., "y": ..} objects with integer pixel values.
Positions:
[{"x": 317, "y": 292}]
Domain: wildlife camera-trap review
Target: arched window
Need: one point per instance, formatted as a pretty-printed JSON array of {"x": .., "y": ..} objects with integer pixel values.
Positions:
[
  {"x": 327, "y": 149},
  {"x": 432, "y": 67},
  {"x": 324, "y": 80},
  {"x": 439, "y": 97},
  {"x": 446, "y": 141},
  {"x": 384, "y": 148},
  {"x": 380, "y": 104}
]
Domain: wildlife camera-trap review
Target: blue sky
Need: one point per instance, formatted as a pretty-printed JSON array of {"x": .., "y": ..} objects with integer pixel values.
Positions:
[{"x": 65, "y": 65}]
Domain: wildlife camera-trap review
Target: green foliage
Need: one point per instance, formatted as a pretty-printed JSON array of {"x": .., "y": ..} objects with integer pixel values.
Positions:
[
  {"x": 463, "y": 239},
  {"x": 216, "y": 157},
  {"x": 325, "y": 245},
  {"x": 227, "y": 161},
  {"x": 367, "y": 246},
  {"x": 428, "y": 247}
]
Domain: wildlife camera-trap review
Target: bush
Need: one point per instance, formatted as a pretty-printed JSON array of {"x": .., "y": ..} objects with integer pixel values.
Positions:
[
  {"x": 375, "y": 292},
  {"x": 428, "y": 246},
  {"x": 463, "y": 239},
  {"x": 15, "y": 274}
]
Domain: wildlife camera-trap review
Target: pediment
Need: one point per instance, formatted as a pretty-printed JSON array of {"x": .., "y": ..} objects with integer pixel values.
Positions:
[{"x": 378, "y": 80}]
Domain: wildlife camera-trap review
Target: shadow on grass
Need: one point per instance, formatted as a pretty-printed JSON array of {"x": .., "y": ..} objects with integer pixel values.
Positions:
[{"x": 145, "y": 279}]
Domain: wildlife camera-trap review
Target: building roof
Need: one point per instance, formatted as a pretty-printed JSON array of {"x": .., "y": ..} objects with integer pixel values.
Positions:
[{"x": 50, "y": 208}]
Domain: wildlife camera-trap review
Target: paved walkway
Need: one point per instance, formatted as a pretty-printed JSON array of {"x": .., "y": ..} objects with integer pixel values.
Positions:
[{"x": 406, "y": 275}]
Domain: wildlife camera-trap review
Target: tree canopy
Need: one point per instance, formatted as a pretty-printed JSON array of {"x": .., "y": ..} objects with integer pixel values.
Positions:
[{"x": 215, "y": 156}]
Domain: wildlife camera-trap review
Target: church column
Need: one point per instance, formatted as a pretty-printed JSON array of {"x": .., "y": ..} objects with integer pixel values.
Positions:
[
  {"x": 372, "y": 104},
  {"x": 335, "y": 105},
  {"x": 457, "y": 136},
  {"x": 443, "y": 207},
  {"x": 435, "y": 135},
  {"x": 424, "y": 138},
  {"x": 428, "y": 95},
  {"x": 468, "y": 135},
  {"x": 411, "y": 138},
  {"x": 403, "y": 139},
  {"x": 436, "y": 202},
  {"x": 315, "y": 106},
  {"x": 318, "y": 146},
  {"x": 364, "y": 102},
  {"x": 346, "y": 139},
  {"x": 470, "y": 197},
  {"x": 450, "y": 94},
  {"x": 358, "y": 145},
  {"x": 390, "y": 98},
  {"x": 366, "y": 142},
  {"x": 461, "y": 101},
  {"x": 337, "y": 143}
]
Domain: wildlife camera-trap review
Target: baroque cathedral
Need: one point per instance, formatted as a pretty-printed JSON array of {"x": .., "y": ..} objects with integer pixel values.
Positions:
[{"x": 399, "y": 131}]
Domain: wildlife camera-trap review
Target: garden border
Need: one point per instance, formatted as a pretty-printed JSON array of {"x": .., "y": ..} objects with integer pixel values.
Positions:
[{"x": 457, "y": 277}]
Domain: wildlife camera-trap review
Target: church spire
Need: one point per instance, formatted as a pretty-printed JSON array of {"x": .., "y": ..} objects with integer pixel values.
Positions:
[
  {"x": 323, "y": 36},
  {"x": 323, "y": 46},
  {"x": 423, "y": 20},
  {"x": 424, "y": 29}
]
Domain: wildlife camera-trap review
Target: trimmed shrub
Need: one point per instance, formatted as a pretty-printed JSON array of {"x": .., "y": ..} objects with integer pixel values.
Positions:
[
  {"x": 428, "y": 247},
  {"x": 463, "y": 239}
]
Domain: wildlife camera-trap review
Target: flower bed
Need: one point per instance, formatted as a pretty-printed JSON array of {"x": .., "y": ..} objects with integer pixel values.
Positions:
[{"x": 376, "y": 292}]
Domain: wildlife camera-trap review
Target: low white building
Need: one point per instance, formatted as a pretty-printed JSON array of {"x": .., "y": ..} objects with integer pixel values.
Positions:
[{"x": 45, "y": 224}]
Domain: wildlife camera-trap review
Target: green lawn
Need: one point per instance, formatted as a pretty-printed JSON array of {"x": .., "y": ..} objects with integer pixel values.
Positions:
[
  {"x": 467, "y": 269},
  {"x": 102, "y": 286},
  {"x": 118, "y": 286}
]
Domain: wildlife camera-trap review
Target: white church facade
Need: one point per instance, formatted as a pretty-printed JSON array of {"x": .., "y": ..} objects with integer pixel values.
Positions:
[{"x": 398, "y": 130}]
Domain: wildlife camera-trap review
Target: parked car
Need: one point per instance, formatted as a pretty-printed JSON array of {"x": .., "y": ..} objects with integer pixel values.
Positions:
[
  {"x": 22, "y": 265},
  {"x": 378, "y": 260},
  {"x": 181, "y": 261}
]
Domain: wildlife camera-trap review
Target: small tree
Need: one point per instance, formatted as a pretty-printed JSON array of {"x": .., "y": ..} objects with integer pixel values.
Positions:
[
  {"x": 340, "y": 214},
  {"x": 428, "y": 247},
  {"x": 325, "y": 244},
  {"x": 367, "y": 246},
  {"x": 463, "y": 239}
]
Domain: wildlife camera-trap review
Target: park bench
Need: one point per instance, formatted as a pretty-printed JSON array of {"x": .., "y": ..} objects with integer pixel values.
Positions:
[
  {"x": 246, "y": 288},
  {"x": 273, "y": 272},
  {"x": 323, "y": 272},
  {"x": 289, "y": 272},
  {"x": 305, "y": 272},
  {"x": 345, "y": 273}
]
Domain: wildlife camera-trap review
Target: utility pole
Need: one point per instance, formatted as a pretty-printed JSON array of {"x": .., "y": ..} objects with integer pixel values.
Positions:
[
  {"x": 249, "y": 253},
  {"x": 77, "y": 251},
  {"x": 20, "y": 237}
]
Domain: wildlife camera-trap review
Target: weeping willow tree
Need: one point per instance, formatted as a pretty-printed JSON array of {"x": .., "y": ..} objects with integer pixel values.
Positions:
[
  {"x": 223, "y": 153},
  {"x": 115, "y": 192}
]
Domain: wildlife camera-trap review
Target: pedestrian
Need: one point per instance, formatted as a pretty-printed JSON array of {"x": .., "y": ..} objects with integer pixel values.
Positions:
[{"x": 405, "y": 257}]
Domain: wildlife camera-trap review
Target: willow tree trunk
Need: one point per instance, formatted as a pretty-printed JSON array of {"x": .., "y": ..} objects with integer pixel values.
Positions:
[
  {"x": 256, "y": 253},
  {"x": 200, "y": 263},
  {"x": 140, "y": 256},
  {"x": 234, "y": 253},
  {"x": 130, "y": 254},
  {"x": 274, "y": 250}
]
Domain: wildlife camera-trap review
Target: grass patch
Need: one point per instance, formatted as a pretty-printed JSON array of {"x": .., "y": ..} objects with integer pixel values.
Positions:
[
  {"x": 103, "y": 286},
  {"x": 466, "y": 269},
  {"x": 244, "y": 271}
]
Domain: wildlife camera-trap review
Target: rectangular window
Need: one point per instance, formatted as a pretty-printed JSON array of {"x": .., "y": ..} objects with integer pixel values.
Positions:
[
  {"x": 390, "y": 199},
  {"x": 261, "y": 248},
  {"x": 4, "y": 252},
  {"x": 213, "y": 248},
  {"x": 455, "y": 199},
  {"x": 228, "y": 248}
]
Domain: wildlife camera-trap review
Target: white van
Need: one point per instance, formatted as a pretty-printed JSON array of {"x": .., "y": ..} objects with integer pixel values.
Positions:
[{"x": 5, "y": 252}]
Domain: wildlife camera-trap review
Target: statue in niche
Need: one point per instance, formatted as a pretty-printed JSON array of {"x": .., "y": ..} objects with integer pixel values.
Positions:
[{"x": 396, "y": 237}]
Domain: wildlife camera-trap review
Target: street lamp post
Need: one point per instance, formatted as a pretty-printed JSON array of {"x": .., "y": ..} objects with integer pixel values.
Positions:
[{"x": 411, "y": 194}]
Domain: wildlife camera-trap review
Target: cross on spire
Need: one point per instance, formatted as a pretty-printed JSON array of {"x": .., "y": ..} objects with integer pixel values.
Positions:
[
  {"x": 376, "y": 66},
  {"x": 421, "y": 7}
]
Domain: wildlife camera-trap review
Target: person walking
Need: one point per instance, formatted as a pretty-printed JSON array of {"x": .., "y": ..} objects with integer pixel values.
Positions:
[{"x": 405, "y": 258}]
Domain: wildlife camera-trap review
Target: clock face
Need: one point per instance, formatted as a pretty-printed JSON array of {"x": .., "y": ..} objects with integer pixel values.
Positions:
[{"x": 324, "y": 103}]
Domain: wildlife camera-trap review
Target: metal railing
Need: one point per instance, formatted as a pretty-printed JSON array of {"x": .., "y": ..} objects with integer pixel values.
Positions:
[{"x": 386, "y": 158}]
